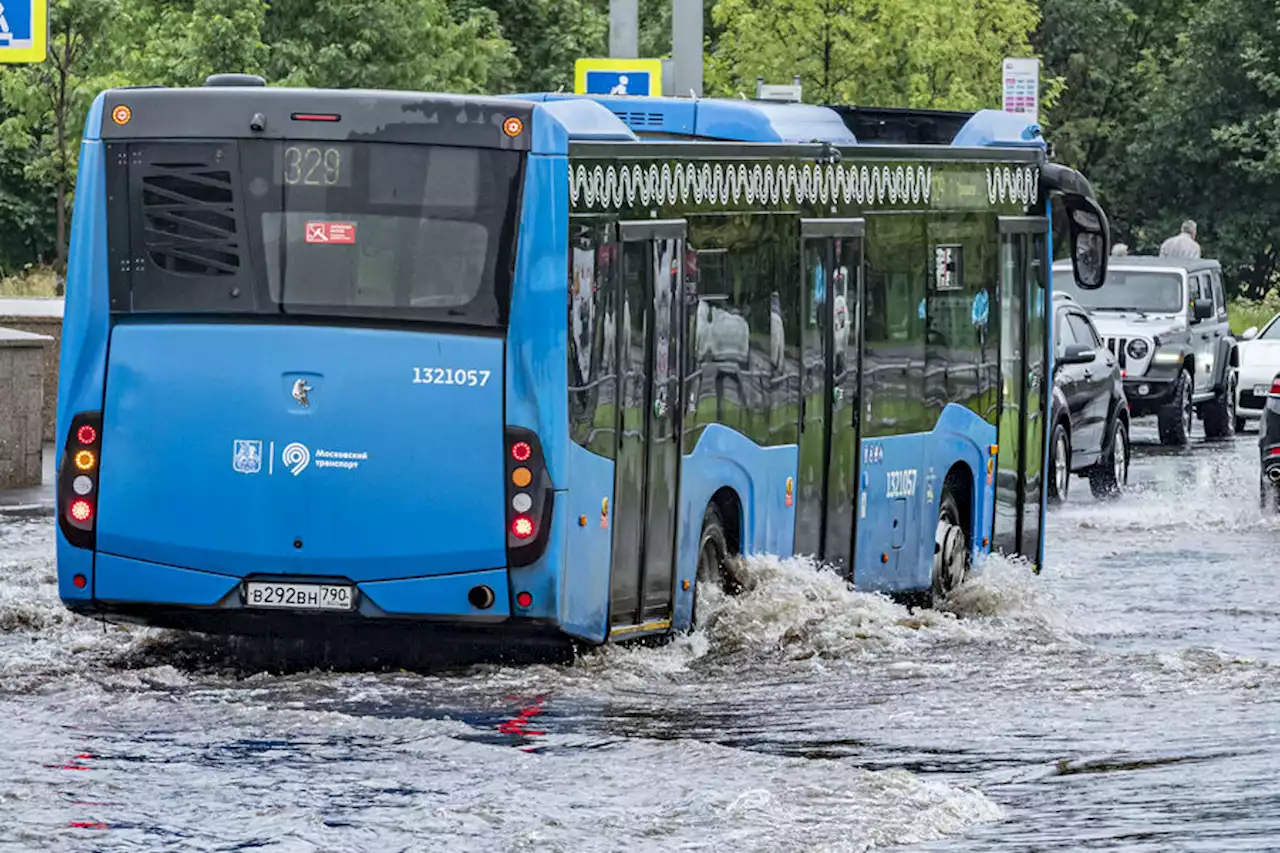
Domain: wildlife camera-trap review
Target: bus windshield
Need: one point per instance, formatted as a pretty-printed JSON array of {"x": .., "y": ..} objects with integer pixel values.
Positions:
[
  {"x": 1129, "y": 290},
  {"x": 362, "y": 229}
]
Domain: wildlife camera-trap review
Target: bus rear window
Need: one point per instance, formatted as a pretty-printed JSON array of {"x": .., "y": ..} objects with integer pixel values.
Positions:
[{"x": 373, "y": 230}]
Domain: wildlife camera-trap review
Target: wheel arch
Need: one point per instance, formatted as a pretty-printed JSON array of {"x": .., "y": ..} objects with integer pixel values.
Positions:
[
  {"x": 729, "y": 505},
  {"x": 964, "y": 484},
  {"x": 1228, "y": 359}
]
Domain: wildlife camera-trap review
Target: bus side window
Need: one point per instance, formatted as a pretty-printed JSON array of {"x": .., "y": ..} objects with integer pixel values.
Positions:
[
  {"x": 897, "y": 269},
  {"x": 592, "y": 337}
]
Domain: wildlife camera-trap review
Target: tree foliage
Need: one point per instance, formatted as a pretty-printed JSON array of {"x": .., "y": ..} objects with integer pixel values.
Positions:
[
  {"x": 1170, "y": 107},
  {"x": 45, "y": 106},
  {"x": 942, "y": 54},
  {"x": 384, "y": 44}
]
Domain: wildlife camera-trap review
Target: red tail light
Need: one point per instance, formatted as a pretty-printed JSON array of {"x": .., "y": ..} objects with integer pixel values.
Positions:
[
  {"x": 1275, "y": 387},
  {"x": 529, "y": 497},
  {"x": 81, "y": 511},
  {"x": 78, "y": 479}
]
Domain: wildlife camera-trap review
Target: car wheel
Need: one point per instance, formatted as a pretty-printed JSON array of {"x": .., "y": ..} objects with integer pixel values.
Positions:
[
  {"x": 1175, "y": 416},
  {"x": 1109, "y": 477},
  {"x": 1059, "y": 464},
  {"x": 1269, "y": 495},
  {"x": 951, "y": 547},
  {"x": 1219, "y": 415}
]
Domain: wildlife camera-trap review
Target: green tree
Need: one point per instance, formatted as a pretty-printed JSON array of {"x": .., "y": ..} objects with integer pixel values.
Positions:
[
  {"x": 27, "y": 220},
  {"x": 47, "y": 103},
  {"x": 1210, "y": 148},
  {"x": 384, "y": 44},
  {"x": 942, "y": 54},
  {"x": 1113, "y": 57},
  {"x": 184, "y": 41},
  {"x": 546, "y": 37}
]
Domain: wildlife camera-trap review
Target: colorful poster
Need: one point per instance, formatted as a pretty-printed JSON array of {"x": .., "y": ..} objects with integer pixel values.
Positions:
[{"x": 1021, "y": 89}]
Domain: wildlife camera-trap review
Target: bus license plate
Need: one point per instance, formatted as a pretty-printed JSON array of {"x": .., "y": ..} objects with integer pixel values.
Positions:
[{"x": 299, "y": 596}]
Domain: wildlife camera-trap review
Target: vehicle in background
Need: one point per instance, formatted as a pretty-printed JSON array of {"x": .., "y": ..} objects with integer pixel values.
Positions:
[
  {"x": 1259, "y": 363},
  {"x": 1166, "y": 321},
  {"x": 535, "y": 368},
  {"x": 1269, "y": 447},
  {"x": 1089, "y": 416}
]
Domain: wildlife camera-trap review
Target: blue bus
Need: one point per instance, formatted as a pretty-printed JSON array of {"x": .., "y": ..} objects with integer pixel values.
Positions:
[{"x": 539, "y": 366}]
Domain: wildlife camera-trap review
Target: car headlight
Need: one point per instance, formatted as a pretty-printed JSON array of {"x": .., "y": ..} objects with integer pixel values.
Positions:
[
  {"x": 1138, "y": 349},
  {"x": 1166, "y": 357}
]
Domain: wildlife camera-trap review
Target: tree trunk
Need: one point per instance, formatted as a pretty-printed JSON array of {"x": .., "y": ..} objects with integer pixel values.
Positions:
[{"x": 61, "y": 265}]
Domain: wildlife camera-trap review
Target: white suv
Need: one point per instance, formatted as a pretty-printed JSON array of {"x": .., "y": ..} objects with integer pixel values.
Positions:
[{"x": 1166, "y": 321}]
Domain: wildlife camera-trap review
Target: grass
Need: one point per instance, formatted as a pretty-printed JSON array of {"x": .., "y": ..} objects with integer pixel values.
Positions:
[
  {"x": 32, "y": 281},
  {"x": 1253, "y": 312}
]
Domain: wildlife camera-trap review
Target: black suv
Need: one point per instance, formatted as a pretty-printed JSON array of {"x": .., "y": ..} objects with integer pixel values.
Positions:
[
  {"x": 1089, "y": 415},
  {"x": 1166, "y": 321}
]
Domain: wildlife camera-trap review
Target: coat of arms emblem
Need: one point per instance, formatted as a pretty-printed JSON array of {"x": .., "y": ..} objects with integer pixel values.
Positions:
[{"x": 247, "y": 458}]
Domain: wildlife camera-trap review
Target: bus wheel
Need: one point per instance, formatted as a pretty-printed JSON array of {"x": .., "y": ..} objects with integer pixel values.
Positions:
[
  {"x": 713, "y": 559},
  {"x": 951, "y": 547}
]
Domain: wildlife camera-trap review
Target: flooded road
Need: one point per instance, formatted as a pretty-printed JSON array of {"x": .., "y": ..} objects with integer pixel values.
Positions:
[{"x": 1125, "y": 699}]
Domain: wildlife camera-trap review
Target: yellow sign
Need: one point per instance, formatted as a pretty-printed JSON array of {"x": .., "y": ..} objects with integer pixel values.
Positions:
[
  {"x": 24, "y": 31},
  {"x": 618, "y": 77}
]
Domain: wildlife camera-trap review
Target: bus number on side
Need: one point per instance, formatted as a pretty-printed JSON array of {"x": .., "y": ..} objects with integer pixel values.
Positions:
[
  {"x": 446, "y": 376},
  {"x": 902, "y": 484}
]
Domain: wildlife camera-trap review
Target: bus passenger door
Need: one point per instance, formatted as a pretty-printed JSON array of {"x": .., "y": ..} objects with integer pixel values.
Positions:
[
  {"x": 648, "y": 463},
  {"x": 831, "y": 250},
  {"x": 1024, "y": 364}
]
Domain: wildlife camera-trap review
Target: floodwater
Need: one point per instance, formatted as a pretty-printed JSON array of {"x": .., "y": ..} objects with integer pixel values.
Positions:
[{"x": 1125, "y": 699}]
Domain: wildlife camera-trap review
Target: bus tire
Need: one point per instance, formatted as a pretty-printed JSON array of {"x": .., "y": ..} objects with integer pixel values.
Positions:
[
  {"x": 1059, "y": 464},
  {"x": 1175, "y": 416},
  {"x": 713, "y": 558},
  {"x": 951, "y": 546}
]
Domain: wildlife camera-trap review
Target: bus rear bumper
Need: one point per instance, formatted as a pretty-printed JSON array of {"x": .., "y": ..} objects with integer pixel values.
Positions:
[{"x": 132, "y": 589}]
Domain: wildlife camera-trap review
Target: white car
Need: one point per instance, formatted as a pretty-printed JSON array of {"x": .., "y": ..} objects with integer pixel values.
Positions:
[{"x": 1259, "y": 363}]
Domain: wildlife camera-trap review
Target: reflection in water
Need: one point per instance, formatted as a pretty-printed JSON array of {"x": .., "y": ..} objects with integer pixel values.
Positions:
[{"x": 1125, "y": 699}]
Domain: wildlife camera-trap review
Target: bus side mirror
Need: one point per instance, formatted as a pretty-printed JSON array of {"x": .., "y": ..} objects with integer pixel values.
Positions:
[
  {"x": 1086, "y": 223},
  {"x": 1089, "y": 242}
]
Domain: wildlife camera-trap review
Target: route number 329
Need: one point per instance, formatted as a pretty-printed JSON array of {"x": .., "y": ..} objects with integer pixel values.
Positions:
[{"x": 449, "y": 376}]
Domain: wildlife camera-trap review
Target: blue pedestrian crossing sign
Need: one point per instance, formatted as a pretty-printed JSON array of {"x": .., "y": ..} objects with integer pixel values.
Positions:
[
  {"x": 618, "y": 77},
  {"x": 24, "y": 26}
]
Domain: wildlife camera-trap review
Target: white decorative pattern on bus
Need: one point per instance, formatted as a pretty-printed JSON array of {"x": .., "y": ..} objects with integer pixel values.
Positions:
[
  {"x": 613, "y": 186},
  {"x": 1013, "y": 184}
]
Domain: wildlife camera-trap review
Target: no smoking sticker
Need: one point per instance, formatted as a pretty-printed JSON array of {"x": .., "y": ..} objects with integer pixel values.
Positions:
[{"x": 331, "y": 232}]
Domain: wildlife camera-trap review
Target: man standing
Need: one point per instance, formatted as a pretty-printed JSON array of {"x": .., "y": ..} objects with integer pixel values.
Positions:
[{"x": 1183, "y": 245}]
